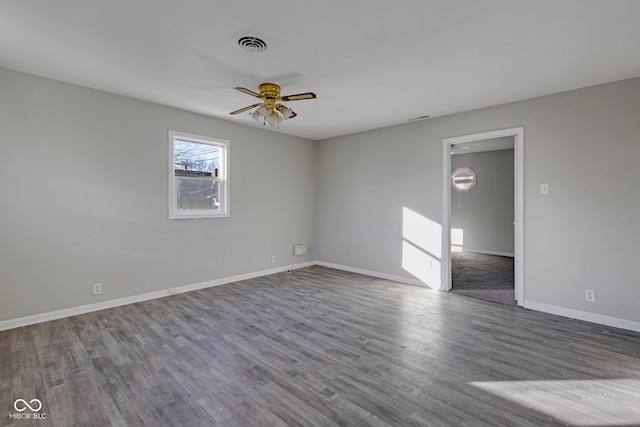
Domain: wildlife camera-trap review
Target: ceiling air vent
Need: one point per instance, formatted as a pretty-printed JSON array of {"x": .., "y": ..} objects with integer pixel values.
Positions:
[{"x": 252, "y": 44}]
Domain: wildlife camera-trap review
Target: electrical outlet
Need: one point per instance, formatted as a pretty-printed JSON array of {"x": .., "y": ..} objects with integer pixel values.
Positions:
[
  {"x": 273, "y": 259},
  {"x": 97, "y": 288},
  {"x": 589, "y": 295}
]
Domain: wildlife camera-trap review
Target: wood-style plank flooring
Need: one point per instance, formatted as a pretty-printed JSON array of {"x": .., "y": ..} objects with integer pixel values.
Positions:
[{"x": 321, "y": 347}]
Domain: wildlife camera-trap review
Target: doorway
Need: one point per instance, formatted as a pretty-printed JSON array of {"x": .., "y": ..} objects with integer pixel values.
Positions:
[{"x": 464, "y": 181}]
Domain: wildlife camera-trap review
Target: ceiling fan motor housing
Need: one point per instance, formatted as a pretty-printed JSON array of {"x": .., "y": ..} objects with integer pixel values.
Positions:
[{"x": 270, "y": 91}]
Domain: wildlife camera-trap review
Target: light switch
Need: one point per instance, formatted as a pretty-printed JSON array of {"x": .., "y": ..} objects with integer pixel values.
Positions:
[{"x": 544, "y": 189}]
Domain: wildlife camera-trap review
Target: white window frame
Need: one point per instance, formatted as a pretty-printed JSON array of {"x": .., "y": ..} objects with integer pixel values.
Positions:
[{"x": 223, "y": 178}]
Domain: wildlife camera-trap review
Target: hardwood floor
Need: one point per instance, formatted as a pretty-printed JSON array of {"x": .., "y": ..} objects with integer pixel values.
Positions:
[{"x": 320, "y": 347}]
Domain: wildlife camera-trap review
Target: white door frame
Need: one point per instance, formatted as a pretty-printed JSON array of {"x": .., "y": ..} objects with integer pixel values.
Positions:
[{"x": 518, "y": 134}]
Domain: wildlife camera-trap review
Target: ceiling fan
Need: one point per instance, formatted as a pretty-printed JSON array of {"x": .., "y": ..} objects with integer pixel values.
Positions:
[{"x": 270, "y": 109}]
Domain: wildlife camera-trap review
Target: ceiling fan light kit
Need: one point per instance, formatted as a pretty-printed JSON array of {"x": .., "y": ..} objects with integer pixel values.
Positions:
[{"x": 271, "y": 111}]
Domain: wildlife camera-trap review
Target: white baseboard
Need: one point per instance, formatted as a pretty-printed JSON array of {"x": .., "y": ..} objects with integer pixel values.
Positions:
[
  {"x": 73, "y": 311},
  {"x": 584, "y": 315},
  {"x": 406, "y": 280},
  {"x": 551, "y": 309},
  {"x": 509, "y": 254}
]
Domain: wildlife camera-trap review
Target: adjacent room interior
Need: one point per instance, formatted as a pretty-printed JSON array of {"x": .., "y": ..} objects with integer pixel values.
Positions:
[
  {"x": 482, "y": 219},
  {"x": 211, "y": 219}
]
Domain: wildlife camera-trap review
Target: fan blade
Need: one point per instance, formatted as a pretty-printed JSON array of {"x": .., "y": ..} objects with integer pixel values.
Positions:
[
  {"x": 248, "y": 91},
  {"x": 299, "y": 96},
  {"x": 242, "y": 110}
]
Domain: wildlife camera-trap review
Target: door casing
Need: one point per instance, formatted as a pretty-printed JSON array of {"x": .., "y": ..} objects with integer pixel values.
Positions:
[{"x": 518, "y": 134}]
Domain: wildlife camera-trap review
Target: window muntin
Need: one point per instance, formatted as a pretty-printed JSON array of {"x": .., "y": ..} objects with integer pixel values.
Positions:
[{"x": 198, "y": 176}]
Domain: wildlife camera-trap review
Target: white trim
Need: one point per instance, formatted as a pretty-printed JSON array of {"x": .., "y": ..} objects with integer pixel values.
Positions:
[
  {"x": 587, "y": 316},
  {"x": 88, "y": 308},
  {"x": 400, "y": 279},
  {"x": 73, "y": 311},
  {"x": 518, "y": 134},
  {"x": 445, "y": 258},
  {"x": 551, "y": 309},
  {"x": 473, "y": 251}
]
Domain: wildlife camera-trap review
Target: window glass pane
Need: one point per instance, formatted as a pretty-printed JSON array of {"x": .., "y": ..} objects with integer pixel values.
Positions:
[
  {"x": 463, "y": 185},
  {"x": 195, "y": 159},
  {"x": 197, "y": 194}
]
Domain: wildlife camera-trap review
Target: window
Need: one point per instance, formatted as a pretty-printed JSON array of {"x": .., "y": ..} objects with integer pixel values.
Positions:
[
  {"x": 198, "y": 176},
  {"x": 463, "y": 179}
]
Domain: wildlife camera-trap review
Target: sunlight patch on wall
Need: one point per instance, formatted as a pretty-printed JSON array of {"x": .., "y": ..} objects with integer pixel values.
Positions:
[
  {"x": 457, "y": 239},
  {"x": 585, "y": 403},
  {"x": 422, "y": 232},
  {"x": 421, "y": 247},
  {"x": 421, "y": 265}
]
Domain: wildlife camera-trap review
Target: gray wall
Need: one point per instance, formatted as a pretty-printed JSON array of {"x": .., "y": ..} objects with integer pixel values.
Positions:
[
  {"x": 585, "y": 144},
  {"x": 485, "y": 213},
  {"x": 84, "y": 198}
]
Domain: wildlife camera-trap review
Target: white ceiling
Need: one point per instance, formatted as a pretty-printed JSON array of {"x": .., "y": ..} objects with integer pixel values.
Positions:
[{"x": 371, "y": 63}]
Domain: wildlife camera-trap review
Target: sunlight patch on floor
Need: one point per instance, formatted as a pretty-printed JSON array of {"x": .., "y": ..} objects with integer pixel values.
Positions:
[{"x": 584, "y": 403}]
